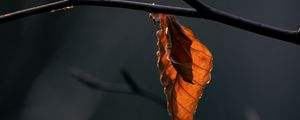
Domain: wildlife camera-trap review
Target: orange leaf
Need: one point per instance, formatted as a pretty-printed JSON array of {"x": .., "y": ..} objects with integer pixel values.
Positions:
[{"x": 185, "y": 65}]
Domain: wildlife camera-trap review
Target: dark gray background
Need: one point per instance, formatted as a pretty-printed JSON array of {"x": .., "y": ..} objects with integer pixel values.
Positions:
[{"x": 254, "y": 77}]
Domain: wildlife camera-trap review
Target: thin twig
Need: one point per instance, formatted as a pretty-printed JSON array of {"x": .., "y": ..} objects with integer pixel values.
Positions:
[
  {"x": 33, "y": 11},
  {"x": 202, "y": 11},
  {"x": 245, "y": 24},
  {"x": 108, "y": 3},
  {"x": 131, "y": 87}
]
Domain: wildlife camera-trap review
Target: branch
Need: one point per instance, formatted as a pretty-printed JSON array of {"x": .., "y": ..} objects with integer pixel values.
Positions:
[
  {"x": 108, "y": 3},
  {"x": 33, "y": 11},
  {"x": 131, "y": 87},
  {"x": 202, "y": 11},
  {"x": 245, "y": 24}
]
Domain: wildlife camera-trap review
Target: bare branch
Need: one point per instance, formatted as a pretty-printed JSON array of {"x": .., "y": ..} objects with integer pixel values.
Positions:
[
  {"x": 33, "y": 11},
  {"x": 130, "y": 88},
  {"x": 109, "y": 3},
  {"x": 245, "y": 24},
  {"x": 202, "y": 11}
]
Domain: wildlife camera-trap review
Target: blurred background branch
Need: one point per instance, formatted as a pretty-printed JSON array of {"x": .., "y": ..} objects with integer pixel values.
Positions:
[
  {"x": 131, "y": 87},
  {"x": 202, "y": 11}
]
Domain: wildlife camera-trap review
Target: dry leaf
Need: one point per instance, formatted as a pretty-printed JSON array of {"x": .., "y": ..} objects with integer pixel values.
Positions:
[{"x": 184, "y": 65}]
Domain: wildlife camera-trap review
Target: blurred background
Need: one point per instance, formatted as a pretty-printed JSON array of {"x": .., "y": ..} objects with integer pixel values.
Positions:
[{"x": 254, "y": 77}]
